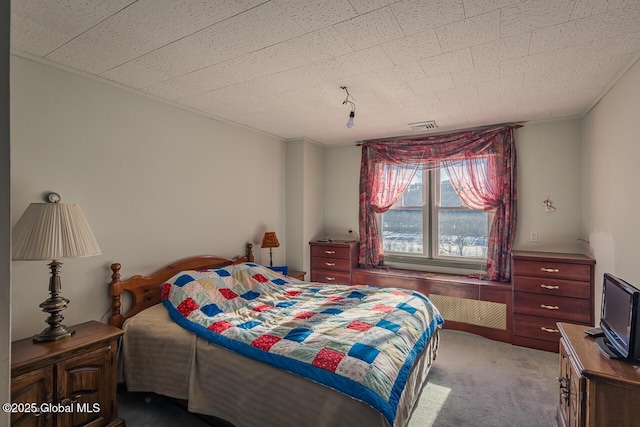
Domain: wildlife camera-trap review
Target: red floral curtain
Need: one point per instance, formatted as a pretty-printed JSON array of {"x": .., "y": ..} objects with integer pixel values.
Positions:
[{"x": 481, "y": 165}]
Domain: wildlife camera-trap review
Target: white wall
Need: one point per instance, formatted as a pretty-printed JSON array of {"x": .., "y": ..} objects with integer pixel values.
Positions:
[
  {"x": 313, "y": 201},
  {"x": 342, "y": 181},
  {"x": 155, "y": 182},
  {"x": 611, "y": 204},
  {"x": 305, "y": 200},
  {"x": 548, "y": 165},
  {"x": 295, "y": 205}
]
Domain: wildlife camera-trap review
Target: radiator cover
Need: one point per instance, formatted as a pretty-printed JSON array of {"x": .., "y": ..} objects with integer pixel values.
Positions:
[{"x": 474, "y": 312}]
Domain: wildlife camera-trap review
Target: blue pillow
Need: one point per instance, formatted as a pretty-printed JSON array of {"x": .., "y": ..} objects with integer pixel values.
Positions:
[{"x": 282, "y": 269}]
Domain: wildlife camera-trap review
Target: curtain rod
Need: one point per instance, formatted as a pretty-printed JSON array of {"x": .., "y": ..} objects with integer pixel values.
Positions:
[{"x": 396, "y": 138}]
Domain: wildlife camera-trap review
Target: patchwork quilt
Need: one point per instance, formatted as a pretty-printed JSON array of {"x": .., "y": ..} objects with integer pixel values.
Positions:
[{"x": 360, "y": 340}]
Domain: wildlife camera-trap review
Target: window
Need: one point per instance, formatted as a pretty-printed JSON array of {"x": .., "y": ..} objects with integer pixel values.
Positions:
[
  {"x": 431, "y": 222},
  {"x": 481, "y": 161}
]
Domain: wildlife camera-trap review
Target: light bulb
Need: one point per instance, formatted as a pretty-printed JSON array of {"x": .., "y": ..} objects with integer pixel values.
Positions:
[{"x": 350, "y": 122}]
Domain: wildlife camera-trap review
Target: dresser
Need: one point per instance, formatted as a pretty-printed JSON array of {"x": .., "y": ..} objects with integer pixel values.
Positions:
[
  {"x": 594, "y": 390},
  {"x": 333, "y": 262},
  {"x": 77, "y": 374},
  {"x": 549, "y": 288}
]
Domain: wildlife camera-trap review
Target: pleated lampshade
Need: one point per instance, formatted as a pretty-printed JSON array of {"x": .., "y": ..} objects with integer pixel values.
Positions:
[
  {"x": 270, "y": 240},
  {"x": 50, "y": 231}
]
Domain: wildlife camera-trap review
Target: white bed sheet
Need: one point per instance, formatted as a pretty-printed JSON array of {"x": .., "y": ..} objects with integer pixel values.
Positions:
[{"x": 162, "y": 357}]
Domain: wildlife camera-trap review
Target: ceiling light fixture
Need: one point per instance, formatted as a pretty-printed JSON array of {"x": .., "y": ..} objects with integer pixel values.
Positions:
[{"x": 352, "y": 114}]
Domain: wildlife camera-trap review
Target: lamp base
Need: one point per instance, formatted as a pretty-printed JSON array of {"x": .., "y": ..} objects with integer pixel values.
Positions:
[
  {"x": 54, "y": 305},
  {"x": 54, "y": 333}
]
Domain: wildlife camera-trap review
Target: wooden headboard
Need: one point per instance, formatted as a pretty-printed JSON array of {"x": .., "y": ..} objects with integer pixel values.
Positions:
[{"x": 145, "y": 290}]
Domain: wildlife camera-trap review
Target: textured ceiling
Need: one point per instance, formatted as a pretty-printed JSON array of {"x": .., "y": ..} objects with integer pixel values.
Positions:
[{"x": 277, "y": 66}]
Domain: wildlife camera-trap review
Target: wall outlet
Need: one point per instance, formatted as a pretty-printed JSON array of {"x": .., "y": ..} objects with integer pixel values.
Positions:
[{"x": 533, "y": 236}]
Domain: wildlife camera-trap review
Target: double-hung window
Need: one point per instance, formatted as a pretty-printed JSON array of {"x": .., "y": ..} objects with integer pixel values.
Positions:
[
  {"x": 431, "y": 223},
  {"x": 428, "y": 223}
]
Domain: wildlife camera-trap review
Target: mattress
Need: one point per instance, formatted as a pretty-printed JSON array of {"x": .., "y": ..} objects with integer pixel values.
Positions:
[{"x": 160, "y": 356}]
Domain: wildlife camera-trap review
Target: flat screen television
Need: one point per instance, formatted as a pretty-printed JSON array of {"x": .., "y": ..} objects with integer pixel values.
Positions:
[{"x": 620, "y": 319}]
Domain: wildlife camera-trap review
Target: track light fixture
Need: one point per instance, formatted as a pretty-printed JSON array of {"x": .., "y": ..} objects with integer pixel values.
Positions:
[{"x": 352, "y": 114}]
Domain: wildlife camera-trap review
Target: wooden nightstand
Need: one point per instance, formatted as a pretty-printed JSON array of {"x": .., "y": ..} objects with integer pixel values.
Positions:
[
  {"x": 333, "y": 262},
  {"x": 297, "y": 274},
  {"x": 78, "y": 373}
]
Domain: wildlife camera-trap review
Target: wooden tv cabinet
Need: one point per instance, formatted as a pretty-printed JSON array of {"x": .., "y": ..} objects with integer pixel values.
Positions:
[{"x": 595, "y": 391}]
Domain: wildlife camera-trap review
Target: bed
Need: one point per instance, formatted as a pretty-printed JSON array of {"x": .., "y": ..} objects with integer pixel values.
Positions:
[{"x": 169, "y": 351}]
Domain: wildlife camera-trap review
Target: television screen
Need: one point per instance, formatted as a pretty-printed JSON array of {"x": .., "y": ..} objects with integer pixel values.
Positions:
[
  {"x": 616, "y": 310},
  {"x": 620, "y": 320}
]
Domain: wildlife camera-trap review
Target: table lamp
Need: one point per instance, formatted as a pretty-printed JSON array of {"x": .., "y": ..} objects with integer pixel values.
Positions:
[
  {"x": 50, "y": 231},
  {"x": 270, "y": 240}
]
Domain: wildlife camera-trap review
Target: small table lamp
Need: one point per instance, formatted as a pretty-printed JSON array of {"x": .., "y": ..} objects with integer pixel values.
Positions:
[
  {"x": 50, "y": 231},
  {"x": 270, "y": 240}
]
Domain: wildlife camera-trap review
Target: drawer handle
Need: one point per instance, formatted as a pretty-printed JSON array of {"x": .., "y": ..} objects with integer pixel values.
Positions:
[
  {"x": 330, "y": 264},
  {"x": 550, "y": 270},
  {"x": 564, "y": 388},
  {"x": 330, "y": 278},
  {"x": 550, "y": 307},
  {"x": 550, "y": 286},
  {"x": 329, "y": 252},
  {"x": 552, "y": 331}
]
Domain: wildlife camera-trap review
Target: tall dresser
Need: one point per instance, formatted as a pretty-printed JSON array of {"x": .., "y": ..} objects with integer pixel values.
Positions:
[
  {"x": 333, "y": 261},
  {"x": 549, "y": 288}
]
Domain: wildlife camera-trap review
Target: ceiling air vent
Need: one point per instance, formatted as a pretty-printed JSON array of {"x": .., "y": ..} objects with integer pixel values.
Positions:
[{"x": 423, "y": 126}]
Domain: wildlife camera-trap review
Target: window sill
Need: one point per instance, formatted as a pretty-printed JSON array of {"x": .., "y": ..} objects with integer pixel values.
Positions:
[{"x": 434, "y": 265}]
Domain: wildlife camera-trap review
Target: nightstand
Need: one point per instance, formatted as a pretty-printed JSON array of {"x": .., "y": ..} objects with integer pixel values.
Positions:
[
  {"x": 78, "y": 373},
  {"x": 297, "y": 274},
  {"x": 334, "y": 261}
]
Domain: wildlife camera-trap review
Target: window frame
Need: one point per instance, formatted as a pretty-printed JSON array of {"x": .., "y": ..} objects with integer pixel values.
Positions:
[{"x": 430, "y": 239}]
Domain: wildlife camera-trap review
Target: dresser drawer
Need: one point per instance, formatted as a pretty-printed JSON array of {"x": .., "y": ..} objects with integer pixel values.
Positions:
[
  {"x": 550, "y": 286},
  {"x": 328, "y": 276},
  {"x": 330, "y": 251},
  {"x": 563, "y": 308},
  {"x": 552, "y": 270},
  {"x": 334, "y": 264},
  {"x": 542, "y": 328}
]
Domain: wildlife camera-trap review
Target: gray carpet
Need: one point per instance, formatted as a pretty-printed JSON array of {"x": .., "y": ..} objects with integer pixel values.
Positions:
[
  {"x": 475, "y": 382},
  {"x": 479, "y": 382}
]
